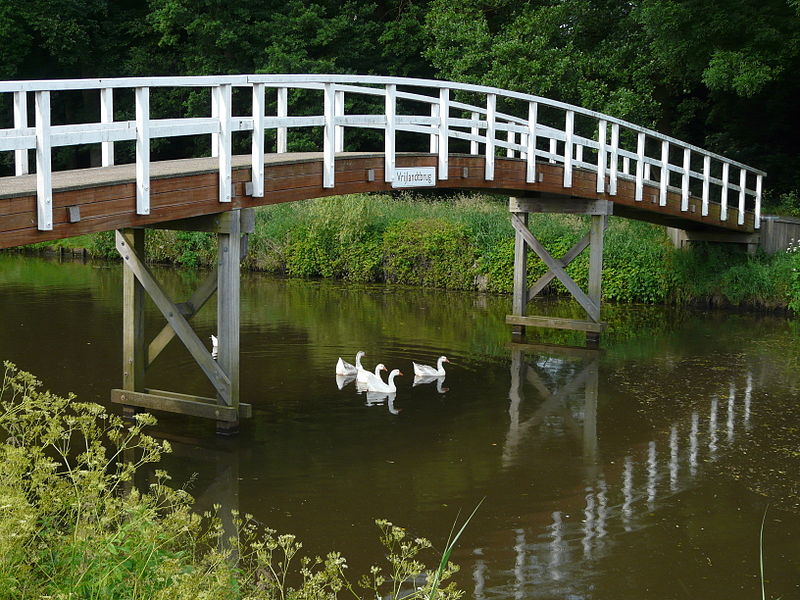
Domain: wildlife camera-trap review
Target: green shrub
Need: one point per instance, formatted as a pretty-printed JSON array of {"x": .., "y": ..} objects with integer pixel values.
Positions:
[{"x": 429, "y": 252}]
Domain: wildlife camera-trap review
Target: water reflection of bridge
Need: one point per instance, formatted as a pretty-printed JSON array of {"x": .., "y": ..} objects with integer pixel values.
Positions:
[{"x": 617, "y": 496}]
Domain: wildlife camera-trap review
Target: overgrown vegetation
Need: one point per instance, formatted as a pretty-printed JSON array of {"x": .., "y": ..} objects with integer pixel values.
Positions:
[
  {"x": 466, "y": 242},
  {"x": 74, "y": 525}
]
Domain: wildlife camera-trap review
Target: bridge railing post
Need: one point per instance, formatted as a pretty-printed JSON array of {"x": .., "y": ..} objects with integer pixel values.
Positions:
[
  {"x": 530, "y": 172},
  {"x": 329, "y": 136},
  {"x": 259, "y": 114},
  {"x": 614, "y": 166},
  {"x": 757, "y": 216},
  {"x": 107, "y": 117},
  {"x": 282, "y": 112},
  {"x": 491, "y": 112},
  {"x": 664, "y": 183},
  {"x": 569, "y": 126},
  {"x": 444, "y": 132},
  {"x": 706, "y": 184},
  {"x": 742, "y": 184},
  {"x": 601, "y": 156},
  {"x": 640, "y": 141},
  {"x": 687, "y": 166},
  {"x": 142, "y": 95},
  {"x": 338, "y": 102},
  {"x": 475, "y": 132},
  {"x": 225, "y": 140},
  {"x": 21, "y": 165},
  {"x": 389, "y": 135},
  {"x": 44, "y": 182},
  {"x": 723, "y": 198}
]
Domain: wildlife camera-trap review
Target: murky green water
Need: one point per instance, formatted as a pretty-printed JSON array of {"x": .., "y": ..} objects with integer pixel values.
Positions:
[{"x": 643, "y": 472}]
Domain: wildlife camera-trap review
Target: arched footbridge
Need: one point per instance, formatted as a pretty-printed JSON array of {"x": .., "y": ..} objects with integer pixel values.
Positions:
[{"x": 361, "y": 134}]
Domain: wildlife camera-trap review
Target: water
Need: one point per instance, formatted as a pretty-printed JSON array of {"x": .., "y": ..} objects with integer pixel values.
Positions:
[{"x": 643, "y": 472}]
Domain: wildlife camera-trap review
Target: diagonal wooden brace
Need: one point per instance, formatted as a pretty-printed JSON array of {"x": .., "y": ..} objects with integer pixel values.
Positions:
[
  {"x": 565, "y": 260},
  {"x": 592, "y": 309},
  {"x": 176, "y": 320}
]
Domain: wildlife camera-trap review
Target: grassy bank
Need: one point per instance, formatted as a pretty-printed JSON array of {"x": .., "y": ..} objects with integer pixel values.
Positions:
[{"x": 466, "y": 242}]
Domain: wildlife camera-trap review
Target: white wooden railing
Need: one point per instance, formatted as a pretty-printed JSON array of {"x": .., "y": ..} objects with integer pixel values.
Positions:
[{"x": 612, "y": 148}]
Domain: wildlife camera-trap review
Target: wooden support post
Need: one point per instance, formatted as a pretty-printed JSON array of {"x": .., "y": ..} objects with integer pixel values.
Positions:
[
  {"x": 520, "y": 286},
  {"x": 228, "y": 307},
  {"x": 599, "y": 210},
  {"x": 590, "y": 413},
  {"x": 133, "y": 347}
]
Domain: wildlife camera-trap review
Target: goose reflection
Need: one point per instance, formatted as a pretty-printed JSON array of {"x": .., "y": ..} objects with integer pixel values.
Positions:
[
  {"x": 425, "y": 379},
  {"x": 343, "y": 380},
  {"x": 380, "y": 398}
]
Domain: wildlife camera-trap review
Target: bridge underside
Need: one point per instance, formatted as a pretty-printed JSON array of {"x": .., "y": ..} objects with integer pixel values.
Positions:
[{"x": 102, "y": 199}]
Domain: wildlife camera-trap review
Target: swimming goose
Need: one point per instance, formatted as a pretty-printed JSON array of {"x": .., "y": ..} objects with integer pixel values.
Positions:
[
  {"x": 345, "y": 368},
  {"x": 427, "y": 371},
  {"x": 376, "y": 384},
  {"x": 363, "y": 385}
]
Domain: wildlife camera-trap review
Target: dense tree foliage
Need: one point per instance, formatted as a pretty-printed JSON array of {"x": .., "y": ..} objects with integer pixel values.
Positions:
[{"x": 720, "y": 73}]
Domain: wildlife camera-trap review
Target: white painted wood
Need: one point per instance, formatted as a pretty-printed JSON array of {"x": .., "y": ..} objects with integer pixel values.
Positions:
[
  {"x": 44, "y": 183},
  {"x": 723, "y": 199},
  {"x": 107, "y": 116},
  {"x": 389, "y": 135},
  {"x": 259, "y": 114},
  {"x": 434, "y": 140},
  {"x": 553, "y": 149},
  {"x": 444, "y": 129},
  {"x": 225, "y": 144},
  {"x": 569, "y": 126},
  {"x": 511, "y": 138},
  {"x": 687, "y": 166},
  {"x": 491, "y": 125},
  {"x": 533, "y": 116},
  {"x": 578, "y": 152},
  {"x": 475, "y": 131},
  {"x": 664, "y": 183},
  {"x": 283, "y": 112},
  {"x": 21, "y": 163},
  {"x": 329, "y": 138},
  {"x": 601, "y": 156},
  {"x": 742, "y": 183},
  {"x": 640, "y": 167},
  {"x": 646, "y": 170},
  {"x": 142, "y": 98},
  {"x": 339, "y": 112},
  {"x": 706, "y": 184},
  {"x": 214, "y": 116},
  {"x": 614, "y": 167},
  {"x": 626, "y": 165},
  {"x": 759, "y": 183}
]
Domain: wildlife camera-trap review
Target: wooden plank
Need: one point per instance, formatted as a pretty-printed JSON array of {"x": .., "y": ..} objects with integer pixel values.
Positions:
[
  {"x": 557, "y": 350},
  {"x": 245, "y": 410},
  {"x": 599, "y": 224},
  {"x": 172, "y": 314},
  {"x": 192, "y": 406},
  {"x": 228, "y": 307},
  {"x": 555, "y": 323},
  {"x": 520, "y": 281},
  {"x": 571, "y": 255},
  {"x": 560, "y": 205},
  {"x": 44, "y": 184}
]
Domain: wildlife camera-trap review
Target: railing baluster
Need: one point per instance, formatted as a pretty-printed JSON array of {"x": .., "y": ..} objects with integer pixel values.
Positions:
[
  {"x": 601, "y": 156},
  {"x": 742, "y": 183},
  {"x": 283, "y": 112},
  {"x": 662, "y": 191},
  {"x": 533, "y": 110},
  {"x": 107, "y": 116},
  {"x": 142, "y": 95},
  {"x": 640, "y": 167},
  {"x": 614, "y": 168},
  {"x": 389, "y": 136},
  {"x": 214, "y": 115},
  {"x": 723, "y": 201},
  {"x": 225, "y": 110},
  {"x": 511, "y": 138},
  {"x": 569, "y": 126},
  {"x": 553, "y": 150},
  {"x": 444, "y": 132},
  {"x": 474, "y": 131},
  {"x": 687, "y": 165},
  {"x": 434, "y": 140},
  {"x": 44, "y": 184},
  {"x": 578, "y": 153},
  {"x": 329, "y": 135},
  {"x": 339, "y": 105},
  {"x": 21, "y": 165},
  {"x": 259, "y": 113},
  {"x": 706, "y": 184},
  {"x": 626, "y": 165},
  {"x": 491, "y": 111},
  {"x": 757, "y": 216}
]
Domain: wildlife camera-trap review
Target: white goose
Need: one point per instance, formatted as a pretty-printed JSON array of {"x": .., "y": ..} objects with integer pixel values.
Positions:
[
  {"x": 376, "y": 384},
  {"x": 345, "y": 368},
  {"x": 428, "y": 371}
]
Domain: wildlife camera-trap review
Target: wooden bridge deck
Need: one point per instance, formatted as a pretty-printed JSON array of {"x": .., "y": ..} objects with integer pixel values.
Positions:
[{"x": 105, "y": 197}]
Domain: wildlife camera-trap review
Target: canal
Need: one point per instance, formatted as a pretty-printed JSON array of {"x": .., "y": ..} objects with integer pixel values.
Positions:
[{"x": 643, "y": 471}]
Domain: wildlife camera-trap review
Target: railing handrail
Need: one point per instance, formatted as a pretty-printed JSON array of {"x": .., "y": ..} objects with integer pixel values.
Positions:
[{"x": 482, "y": 128}]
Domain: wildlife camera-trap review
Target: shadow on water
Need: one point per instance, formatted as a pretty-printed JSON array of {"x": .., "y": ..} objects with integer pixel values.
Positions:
[{"x": 638, "y": 471}]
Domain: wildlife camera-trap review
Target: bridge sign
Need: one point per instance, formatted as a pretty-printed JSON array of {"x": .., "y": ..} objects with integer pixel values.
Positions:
[{"x": 407, "y": 177}]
